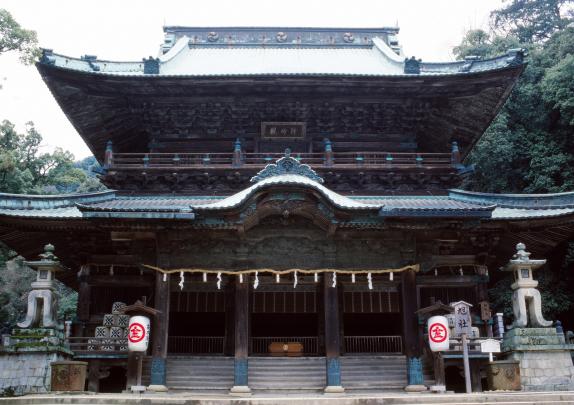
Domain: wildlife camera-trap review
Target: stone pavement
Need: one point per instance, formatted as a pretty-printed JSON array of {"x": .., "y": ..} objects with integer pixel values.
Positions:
[{"x": 507, "y": 398}]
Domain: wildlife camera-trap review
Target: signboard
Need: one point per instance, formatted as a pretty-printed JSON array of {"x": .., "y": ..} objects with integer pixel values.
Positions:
[
  {"x": 490, "y": 346},
  {"x": 484, "y": 310},
  {"x": 283, "y": 130},
  {"x": 138, "y": 333},
  {"x": 438, "y": 333},
  {"x": 462, "y": 320}
]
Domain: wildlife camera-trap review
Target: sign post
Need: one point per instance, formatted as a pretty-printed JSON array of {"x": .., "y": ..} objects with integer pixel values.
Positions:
[{"x": 466, "y": 363}]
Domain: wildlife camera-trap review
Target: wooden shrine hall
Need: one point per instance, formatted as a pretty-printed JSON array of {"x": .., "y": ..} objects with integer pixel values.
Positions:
[{"x": 286, "y": 199}]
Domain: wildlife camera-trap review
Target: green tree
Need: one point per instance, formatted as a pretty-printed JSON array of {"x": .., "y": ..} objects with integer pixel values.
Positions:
[
  {"x": 15, "y": 38},
  {"x": 532, "y": 21},
  {"x": 23, "y": 169}
]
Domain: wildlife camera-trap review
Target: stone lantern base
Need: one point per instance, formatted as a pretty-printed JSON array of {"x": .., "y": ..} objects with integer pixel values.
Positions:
[{"x": 544, "y": 356}]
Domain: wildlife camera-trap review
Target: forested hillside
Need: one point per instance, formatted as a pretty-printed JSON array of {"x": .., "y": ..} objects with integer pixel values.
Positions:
[{"x": 529, "y": 147}]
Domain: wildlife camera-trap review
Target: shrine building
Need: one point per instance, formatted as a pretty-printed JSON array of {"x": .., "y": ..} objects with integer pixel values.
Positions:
[{"x": 286, "y": 199}]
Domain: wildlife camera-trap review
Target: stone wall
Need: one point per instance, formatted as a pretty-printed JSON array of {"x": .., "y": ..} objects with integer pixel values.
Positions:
[
  {"x": 545, "y": 360},
  {"x": 28, "y": 372}
]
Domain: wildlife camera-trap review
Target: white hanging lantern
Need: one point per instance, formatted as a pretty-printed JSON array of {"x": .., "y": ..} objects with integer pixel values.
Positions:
[
  {"x": 334, "y": 280},
  {"x": 138, "y": 333},
  {"x": 460, "y": 271},
  {"x": 316, "y": 277},
  {"x": 164, "y": 277},
  {"x": 370, "y": 281},
  {"x": 353, "y": 278},
  {"x": 438, "y": 333},
  {"x": 240, "y": 278},
  {"x": 277, "y": 277},
  {"x": 256, "y": 281},
  {"x": 391, "y": 276},
  {"x": 204, "y": 277}
]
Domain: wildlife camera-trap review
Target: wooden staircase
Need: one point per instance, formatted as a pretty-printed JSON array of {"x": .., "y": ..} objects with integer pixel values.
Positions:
[{"x": 287, "y": 374}]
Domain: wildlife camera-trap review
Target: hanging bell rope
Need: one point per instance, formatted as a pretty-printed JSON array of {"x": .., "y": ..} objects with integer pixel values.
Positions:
[
  {"x": 219, "y": 281},
  {"x": 181, "y": 280}
]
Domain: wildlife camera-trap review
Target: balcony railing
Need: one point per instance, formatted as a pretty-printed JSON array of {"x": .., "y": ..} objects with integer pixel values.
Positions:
[
  {"x": 195, "y": 344},
  {"x": 373, "y": 160},
  {"x": 260, "y": 345},
  {"x": 373, "y": 344}
]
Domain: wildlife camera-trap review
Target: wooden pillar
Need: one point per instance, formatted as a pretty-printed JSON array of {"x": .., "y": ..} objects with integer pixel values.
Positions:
[
  {"x": 160, "y": 334},
  {"x": 332, "y": 336},
  {"x": 320, "y": 318},
  {"x": 134, "y": 374},
  {"x": 229, "y": 339},
  {"x": 410, "y": 332},
  {"x": 84, "y": 297},
  {"x": 240, "y": 368},
  {"x": 161, "y": 320}
]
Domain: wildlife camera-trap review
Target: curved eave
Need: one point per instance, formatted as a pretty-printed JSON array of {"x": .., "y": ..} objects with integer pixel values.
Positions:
[{"x": 106, "y": 107}]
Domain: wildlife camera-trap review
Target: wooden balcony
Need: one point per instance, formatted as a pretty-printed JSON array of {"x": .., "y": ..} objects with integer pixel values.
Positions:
[{"x": 239, "y": 160}]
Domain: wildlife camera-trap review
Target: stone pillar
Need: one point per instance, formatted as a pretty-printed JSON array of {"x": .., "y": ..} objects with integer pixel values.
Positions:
[
  {"x": 240, "y": 368},
  {"x": 159, "y": 334},
  {"x": 332, "y": 335},
  {"x": 410, "y": 332}
]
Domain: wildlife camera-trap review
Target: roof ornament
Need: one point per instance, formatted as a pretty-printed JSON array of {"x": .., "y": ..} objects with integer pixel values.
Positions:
[
  {"x": 212, "y": 36},
  {"x": 151, "y": 66},
  {"x": 515, "y": 56},
  {"x": 281, "y": 36},
  {"x": 412, "y": 66},
  {"x": 47, "y": 57},
  {"x": 287, "y": 165}
]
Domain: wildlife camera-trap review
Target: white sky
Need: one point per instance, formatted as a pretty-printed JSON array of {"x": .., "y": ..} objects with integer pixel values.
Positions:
[{"x": 130, "y": 30}]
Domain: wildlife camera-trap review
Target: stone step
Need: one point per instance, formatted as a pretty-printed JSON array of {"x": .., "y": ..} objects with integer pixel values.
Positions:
[{"x": 219, "y": 398}]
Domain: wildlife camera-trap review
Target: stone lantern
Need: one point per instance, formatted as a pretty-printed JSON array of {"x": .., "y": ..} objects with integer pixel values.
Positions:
[
  {"x": 526, "y": 298},
  {"x": 44, "y": 315}
]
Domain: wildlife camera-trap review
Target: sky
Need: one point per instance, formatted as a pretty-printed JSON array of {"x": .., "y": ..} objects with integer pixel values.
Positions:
[{"x": 130, "y": 30}]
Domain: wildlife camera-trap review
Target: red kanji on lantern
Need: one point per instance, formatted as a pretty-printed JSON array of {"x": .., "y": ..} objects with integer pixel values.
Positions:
[
  {"x": 136, "y": 332},
  {"x": 437, "y": 332}
]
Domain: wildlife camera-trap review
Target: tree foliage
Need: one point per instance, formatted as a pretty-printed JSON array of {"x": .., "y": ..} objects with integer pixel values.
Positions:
[
  {"x": 24, "y": 169},
  {"x": 532, "y": 21},
  {"x": 15, "y": 38},
  {"x": 529, "y": 147}
]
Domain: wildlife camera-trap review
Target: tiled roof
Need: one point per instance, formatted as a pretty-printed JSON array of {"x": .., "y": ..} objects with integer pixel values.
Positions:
[
  {"x": 457, "y": 203},
  {"x": 59, "y": 213},
  {"x": 187, "y": 59}
]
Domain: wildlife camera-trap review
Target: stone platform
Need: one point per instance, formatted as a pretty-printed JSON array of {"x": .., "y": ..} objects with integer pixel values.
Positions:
[
  {"x": 507, "y": 398},
  {"x": 544, "y": 356}
]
